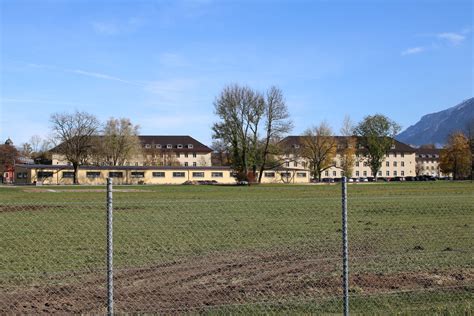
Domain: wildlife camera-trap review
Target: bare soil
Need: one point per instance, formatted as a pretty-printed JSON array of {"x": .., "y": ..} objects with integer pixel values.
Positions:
[{"x": 221, "y": 279}]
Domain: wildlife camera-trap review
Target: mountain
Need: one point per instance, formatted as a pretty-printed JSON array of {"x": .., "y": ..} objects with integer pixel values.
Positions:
[{"x": 434, "y": 128}]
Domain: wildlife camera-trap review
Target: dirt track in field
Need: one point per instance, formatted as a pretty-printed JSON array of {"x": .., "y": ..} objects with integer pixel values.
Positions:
[{"x": 207, "y": 281}]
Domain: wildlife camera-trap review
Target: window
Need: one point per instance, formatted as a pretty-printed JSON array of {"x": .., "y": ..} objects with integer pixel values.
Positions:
[
  {"x": 178, "y": 175},
  {"x": 393, "y": 146},
  {"x": 186, "y": 164},
  {"x": 186, "y": 155},
  {"x": 147, "y": 146},
  {"x": 45, "y": 174},
  {"x": 285, "y": 174},
  {"x": 395, "y": 173},
  {"x": 303, "y": 164},
  {"x": 387, "y": 173},
  {"x": 194, "y": 164},
  {"x": 342, "y": 173},
  {"x": 138, "y": 174},
  {"x": 21, "y": 175},
  {"x": 296, "y": 146},
  {"x": 194, "y": 155},
  {"x": 93, "y": 174},
  {"x": 387, "y": 164},
  {"x": 269, "y": 174},
  {"x": 295, "y": 164},
  {"x": 217, "y": 174},
  {"x": 365, "y": 173},
  {"x": 287, "y": 164},
  {"x": 158, "y": 146},
  {"x": 68, "y": 174},
  {"x": 402, "y": 173},
  {"x": 190, "y": 146},
  {"x": 158, "y": 174},
  {"x": 136, "y": 164},
  {"x": 326, "y": 173},
  {"x": 380, "y": 173},
  {"x": 180, "y": 146},
  {"x": 365, "y": 164},
  {"x": 357, "y": 164},
  {"x": 395, "y": 155},
  {"x": 402, "y": 155},
  {"x": 301, "y": 174},
  {"x": 169, "y": 146},
  {"x": 394, "y": 163},
  {"x": 115, "y": 174},
  {"x": 334, "y": 173},
  {"x": 357, "y": 173},
  {"x": 198, "y": 174}
]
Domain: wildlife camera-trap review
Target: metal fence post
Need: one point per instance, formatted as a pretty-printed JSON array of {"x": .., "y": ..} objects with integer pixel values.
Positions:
[
  {"x": 345, "y": 252},
  {"x": 110, "y": 271}
]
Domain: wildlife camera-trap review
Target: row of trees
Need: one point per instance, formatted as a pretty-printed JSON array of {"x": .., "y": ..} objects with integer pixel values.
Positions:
[
  {"x": 81, "y": 138},
  {"x": 251, "y": 125}
]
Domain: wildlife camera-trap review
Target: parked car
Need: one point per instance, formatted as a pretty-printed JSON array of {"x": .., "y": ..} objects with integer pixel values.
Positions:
[
  {"x": 409, "y": 178},
  {"x": 327, "y": 180},
  {"x": 363, "y": 180},
  {"x": 397, "y": 179},
  {"x": 371, "y": 179}
]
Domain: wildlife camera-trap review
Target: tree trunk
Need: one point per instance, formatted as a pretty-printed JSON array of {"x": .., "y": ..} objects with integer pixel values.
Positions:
[{"x": 76, "y": 169}]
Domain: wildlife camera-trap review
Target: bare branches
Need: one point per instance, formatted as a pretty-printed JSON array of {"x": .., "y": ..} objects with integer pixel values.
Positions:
[{"x": 74, "y": 133}]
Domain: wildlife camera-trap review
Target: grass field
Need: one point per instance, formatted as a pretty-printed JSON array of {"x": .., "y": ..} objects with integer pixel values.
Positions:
[{"x": 258, "y": 249}]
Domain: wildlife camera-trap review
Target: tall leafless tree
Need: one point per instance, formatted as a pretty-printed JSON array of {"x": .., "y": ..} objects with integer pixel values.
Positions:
[
  {"x": 319, "y": 148},
  {"x": 120, "y": 141},
  {"x": 277, "y": 124},
  {"x": 73, "y": 132}
]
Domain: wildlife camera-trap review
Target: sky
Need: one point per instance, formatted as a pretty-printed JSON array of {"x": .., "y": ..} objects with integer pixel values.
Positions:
[{"x": 163, "y": 63}]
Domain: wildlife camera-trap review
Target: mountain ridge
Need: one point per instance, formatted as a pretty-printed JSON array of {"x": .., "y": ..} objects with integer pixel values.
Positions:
[{"x": 434, "y": 128}]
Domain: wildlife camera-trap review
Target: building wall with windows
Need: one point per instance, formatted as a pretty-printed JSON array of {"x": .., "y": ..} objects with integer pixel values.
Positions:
[
  {"x": 427, "y": 160},
  {"x": 64, "y": 174},
  {"x": 286, "y": 176},
  {"x": 400, "y": 161}
]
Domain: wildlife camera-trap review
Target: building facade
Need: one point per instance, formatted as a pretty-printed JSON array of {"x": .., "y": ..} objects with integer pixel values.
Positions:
[
  {"x": 400, "y": 160},
  {"x": 97, "y": 175},
  {"x": 427, "y": 162}
]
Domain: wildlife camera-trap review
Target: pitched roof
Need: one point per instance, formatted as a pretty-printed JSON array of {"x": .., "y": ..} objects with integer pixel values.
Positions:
[
  {"x": 132, "y": 168},
  {"x": 188, "y": 143},
  {"x": 400, "y": 147}
]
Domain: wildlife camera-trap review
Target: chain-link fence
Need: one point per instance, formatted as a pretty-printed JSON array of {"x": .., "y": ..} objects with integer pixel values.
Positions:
[{"x": 239, "y": 250}]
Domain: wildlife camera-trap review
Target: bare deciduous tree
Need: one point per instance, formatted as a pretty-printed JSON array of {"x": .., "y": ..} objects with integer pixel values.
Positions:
[
  {"x": 277, "y": 124},
  {"x": 73, "y": 132},
  {"x": 239, "y": 111},
  {"x": 121, "y": 142},
  {"x": 349, "y": 144},
  {"x": 319, "y": 148}
]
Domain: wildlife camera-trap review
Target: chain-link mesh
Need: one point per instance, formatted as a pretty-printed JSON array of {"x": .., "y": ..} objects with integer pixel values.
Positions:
[{"x": 238, "y": 250}]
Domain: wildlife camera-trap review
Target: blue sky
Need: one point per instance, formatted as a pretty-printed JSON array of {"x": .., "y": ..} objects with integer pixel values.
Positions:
[{"x": 162, "y": 63}]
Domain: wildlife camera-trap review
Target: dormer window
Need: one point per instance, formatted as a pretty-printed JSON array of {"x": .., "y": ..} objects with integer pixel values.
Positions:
[
  {"x": 296, "y": 146},
  {"x": 393, "y": 146},
  {"x": 158, "y": 146},
  {"x": 190, "y": 146},
  {"x": 147, "y": 146},
  {"x": 169, "y": 146},
  {"x": 180, "y": 146}
]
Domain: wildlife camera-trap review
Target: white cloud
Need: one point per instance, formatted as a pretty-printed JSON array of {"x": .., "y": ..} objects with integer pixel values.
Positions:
[
  {"x": 172, "y": 60},
  {"x": 453, "y": 38},
  {"x": 99, "y": 75},
  {"x": 171, "y": 91},
  {"x": 106, "y": 28},
  {"x": 413, "y": 50}
]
